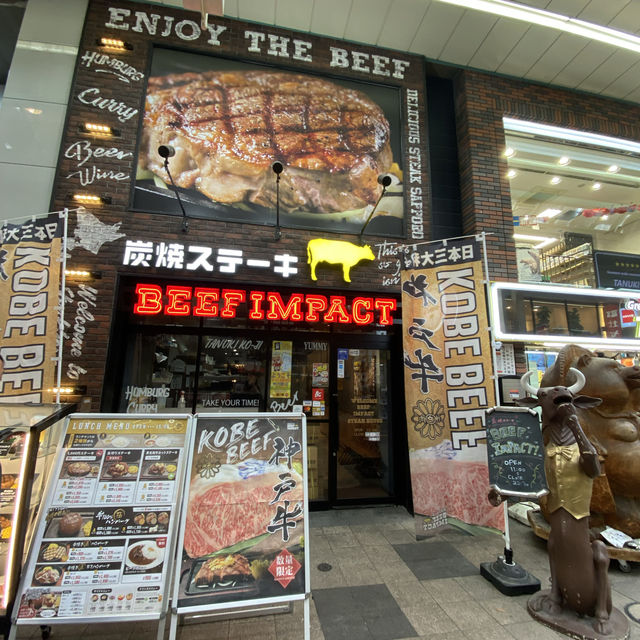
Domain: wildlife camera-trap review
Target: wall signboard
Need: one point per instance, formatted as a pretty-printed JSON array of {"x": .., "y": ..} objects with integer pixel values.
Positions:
[
  {"x": 244, "y": 530},
  {"x": 515, "y": 452},
  {"x": 617, "y": 270},
  {"x": 105, "y": 537}
]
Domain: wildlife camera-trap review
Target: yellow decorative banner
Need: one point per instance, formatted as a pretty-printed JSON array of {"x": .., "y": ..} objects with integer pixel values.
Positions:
[
  {"x": 448, "y": 382},
  {"x": 29, "y": 289},
  {"x": 280, "y": 385}
]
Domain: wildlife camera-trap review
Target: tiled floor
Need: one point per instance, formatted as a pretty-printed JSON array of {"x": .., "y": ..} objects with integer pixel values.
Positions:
[{"x": 385, "y": 585}]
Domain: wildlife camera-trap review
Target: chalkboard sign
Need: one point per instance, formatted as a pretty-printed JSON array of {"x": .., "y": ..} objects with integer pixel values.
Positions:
[{"x": 515, "y": 452}]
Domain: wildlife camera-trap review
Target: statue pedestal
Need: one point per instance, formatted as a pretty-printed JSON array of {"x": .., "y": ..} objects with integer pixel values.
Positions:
[{"x": 572, "y": 625}]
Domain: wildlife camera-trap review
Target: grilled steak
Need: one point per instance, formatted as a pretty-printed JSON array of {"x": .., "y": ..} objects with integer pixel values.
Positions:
[{"x": 229, "y": 127}]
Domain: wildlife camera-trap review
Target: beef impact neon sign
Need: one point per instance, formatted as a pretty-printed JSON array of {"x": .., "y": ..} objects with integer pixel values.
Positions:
[{"x": 176, "y": 300}]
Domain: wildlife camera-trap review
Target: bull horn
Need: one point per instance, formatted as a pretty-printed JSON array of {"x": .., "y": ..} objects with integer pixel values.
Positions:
[
  {"x": 579, "y": 383},
  {"x": 524, "y": 383}
]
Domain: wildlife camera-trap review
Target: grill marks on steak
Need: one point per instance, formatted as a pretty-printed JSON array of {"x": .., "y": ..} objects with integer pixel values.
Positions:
[{"x": 228, "y": 127}]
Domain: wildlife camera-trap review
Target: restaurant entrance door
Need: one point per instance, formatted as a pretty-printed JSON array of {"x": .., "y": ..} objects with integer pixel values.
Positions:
[{"x": 361, "y": 439}]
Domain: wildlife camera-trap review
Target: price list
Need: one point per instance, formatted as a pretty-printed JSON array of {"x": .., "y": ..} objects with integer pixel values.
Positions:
[{"x": 105, "y": 532}]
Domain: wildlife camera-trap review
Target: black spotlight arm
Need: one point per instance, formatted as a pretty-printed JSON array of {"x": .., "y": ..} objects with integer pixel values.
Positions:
[
  {"x": 166, "y": 152},
  {"x": 385, "y": 181},
  {"x": 277, "y": 169}
]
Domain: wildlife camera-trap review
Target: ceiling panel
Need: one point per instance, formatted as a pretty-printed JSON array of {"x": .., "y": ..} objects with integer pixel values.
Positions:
[
  {"x": 634, "y": 96},
  {"x": 294, "y": 14},
  {"x": 556, "y": 57},
  {"x": 536, "y": 4},
  {"x": 402, "y": 22},
  {"x": 263, "y": 11},
  {"x": 231, "y": 8},
  {"x": 470, "y": 33},
  {"x": 435, "y": 30},
  {"x": 624, "y": 83},
  {"x": 532, "y": 45},
  {"x": 628, "y": 19},
  {"x": 502, "y": 38},
  {"x": 570, "y": 8},
  {"x": 329, "y": 17},
  {"x": 611, "y": 68},
  {"x": 366, "y": 20},
  {"x": 603, "y": 13},
  {"x": 593, "y": 55}
]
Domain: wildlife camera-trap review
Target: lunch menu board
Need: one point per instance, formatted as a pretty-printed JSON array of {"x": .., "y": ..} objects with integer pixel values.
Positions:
[
  {"x": 515, "y": 452},
  {"x": 244, "y": 529},
  {"x": 103, "y": 546}
]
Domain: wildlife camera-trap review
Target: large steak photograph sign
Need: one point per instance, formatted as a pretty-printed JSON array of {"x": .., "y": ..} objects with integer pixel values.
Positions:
[{"x": 245, "y": 515}]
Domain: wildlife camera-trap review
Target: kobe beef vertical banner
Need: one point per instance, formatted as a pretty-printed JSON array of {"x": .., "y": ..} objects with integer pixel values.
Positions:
[
  {"x": 244, "y": 521},
  {"x": 448, "y": 384},
  {"x": 30, "y": 268}
]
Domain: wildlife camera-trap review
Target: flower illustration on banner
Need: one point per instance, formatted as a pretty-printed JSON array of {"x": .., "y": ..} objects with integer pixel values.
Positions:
[
  {"x": 428, "y": 418},
  {"x": 207, "y": 467}
]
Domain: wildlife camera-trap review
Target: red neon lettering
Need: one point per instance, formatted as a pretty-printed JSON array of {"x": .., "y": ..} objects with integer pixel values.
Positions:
[
  {"x": 365, "y": 304},
  {"x": 386, "y": 306},
  {"x": 206, "y": 305},
  {"x": 315, "y": 305},
  {"x": 277, "y": 310},
  {"x": 232, "y": 298},
  {"x": 256, "y": 312},
  {"x": 178, "y": 301},
  {"x": 149, "y": 300},
  {"x": 337, "y": 310}
]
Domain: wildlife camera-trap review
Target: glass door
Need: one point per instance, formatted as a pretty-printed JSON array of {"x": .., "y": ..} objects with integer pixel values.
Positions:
[{"x": 362, "y": 445}]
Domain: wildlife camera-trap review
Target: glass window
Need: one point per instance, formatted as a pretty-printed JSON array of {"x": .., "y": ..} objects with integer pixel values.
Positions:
[{"x": 571, "y": 195}]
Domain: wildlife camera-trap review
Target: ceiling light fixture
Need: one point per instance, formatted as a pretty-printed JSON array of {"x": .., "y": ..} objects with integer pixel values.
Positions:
[
  {"x": 556, "y": 180},
  {"x": 553, "y": 20},
  {"x": 571, "y": 135},
  {"x": 596, "y": 186},
  {"x": 614, "y": 168},
  {"x": 509, "y": 152},
  {"x": 549, "y": 213},
  {"x": 564, "y": 161},
  {"x": 539, "y": 239},
  {"x": 512, "y": 173}
]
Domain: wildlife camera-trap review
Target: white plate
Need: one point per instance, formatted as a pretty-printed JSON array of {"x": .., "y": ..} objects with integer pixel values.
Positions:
[{"x": 153, "y": 547}]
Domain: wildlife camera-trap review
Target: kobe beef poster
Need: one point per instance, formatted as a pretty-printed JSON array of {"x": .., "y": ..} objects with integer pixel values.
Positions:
[
  {"x": 244, "y": 520},
  {"x": 448, "y": 382},
  {"x": 104, "y": 544}
]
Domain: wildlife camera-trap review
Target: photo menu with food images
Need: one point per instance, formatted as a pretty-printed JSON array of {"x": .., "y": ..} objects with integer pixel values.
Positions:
[{"x": 104, "y": 538}]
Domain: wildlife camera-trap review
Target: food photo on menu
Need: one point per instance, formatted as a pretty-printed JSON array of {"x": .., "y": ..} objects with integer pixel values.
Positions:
[
  {"x": 69, "y": 523},
  {"x": 261, "y": 506},
  {"x": 145, "y": 556},
  {"x": 120, "y": 465},
  {"x": 39, "y": 603}
]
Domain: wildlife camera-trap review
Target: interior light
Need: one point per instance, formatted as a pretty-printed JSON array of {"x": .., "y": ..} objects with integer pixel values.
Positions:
[
  {"x": 605, "y": 217},
  {"x": 572, "y": 135},
  {"x": 556, "y": 180},
  {"x": 596, "y": 186},
  {"x": 614, "y": 168},
  {"x": 554, "y": 20},
  {"x": 532, "y": 239},
  {"x": 509, "y": 152},
  {"x": 82, "y": 273},
  {"x": 549, "y": 213},
  {"x": 512, "y": 173},
  {"x": 564, "y": 161},
  {"x": 87, "y": 198},
  {"x": 33, "y": 111},
  {"x": 113, "y": 43}
]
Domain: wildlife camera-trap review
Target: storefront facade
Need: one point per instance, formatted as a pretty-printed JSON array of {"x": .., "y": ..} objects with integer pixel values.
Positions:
[{"x": 190, "y": 304}]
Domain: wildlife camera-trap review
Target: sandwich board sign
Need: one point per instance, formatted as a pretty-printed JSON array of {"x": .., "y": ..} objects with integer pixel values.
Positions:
[
  {"x": 105, "y": 536},
  {"x": 244, "y": 529}
]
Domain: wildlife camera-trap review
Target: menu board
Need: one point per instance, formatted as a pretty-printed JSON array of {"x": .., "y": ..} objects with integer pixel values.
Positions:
[
  {"x": 244, "y": 529},
  {"x": 104, "y": 541},
  {"x": 515, "y": 452}
]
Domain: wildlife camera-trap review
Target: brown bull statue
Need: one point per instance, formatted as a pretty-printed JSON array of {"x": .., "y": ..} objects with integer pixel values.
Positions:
[
  {"x": 580, "y": 595},
  {"x": 613, "y": 428}
]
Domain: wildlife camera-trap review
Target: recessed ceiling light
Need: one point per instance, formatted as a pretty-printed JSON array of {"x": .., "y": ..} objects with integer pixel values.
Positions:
[
  {"x": 605, "y": 217},
  {"x": 509, "y": 152},
  {"x": 565, "y": 160},
  {"x": 556, "y": 180},
  {"x": 512, "y": 173},
  {"x": 596, "y": 186},
  {"x": 614, "y": 168},
  {"x": 549, "y": 213}
]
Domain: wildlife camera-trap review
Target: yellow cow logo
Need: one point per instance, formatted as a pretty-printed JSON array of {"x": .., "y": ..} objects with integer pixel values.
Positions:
[{"x": 336, "y": 252}]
